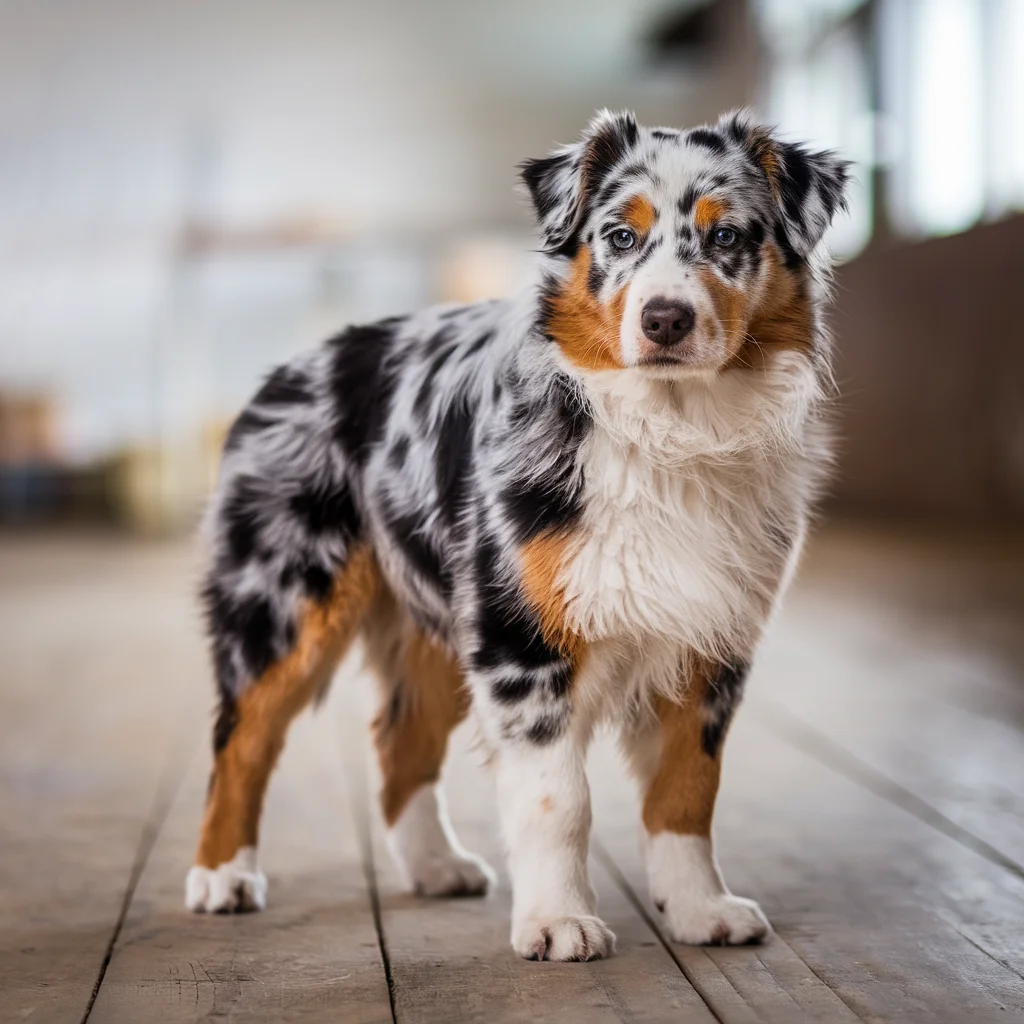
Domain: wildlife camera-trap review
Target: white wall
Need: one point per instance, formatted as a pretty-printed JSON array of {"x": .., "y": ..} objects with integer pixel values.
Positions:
[{"x": 387, "y": 121}]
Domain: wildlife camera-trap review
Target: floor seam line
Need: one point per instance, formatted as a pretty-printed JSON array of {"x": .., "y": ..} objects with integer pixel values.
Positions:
[
  {"x": 163, "y": 799},
  {"x": 812, "y": 741},
  {"x": 361, "y": 813},
  {"x": 608, "y": 863}
]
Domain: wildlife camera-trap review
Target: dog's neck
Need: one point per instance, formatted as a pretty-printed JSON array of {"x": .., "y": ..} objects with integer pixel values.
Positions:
[{"x": 725, "y": 417}]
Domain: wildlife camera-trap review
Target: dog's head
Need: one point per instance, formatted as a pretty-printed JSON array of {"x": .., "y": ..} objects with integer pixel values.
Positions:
[{"x": 681, "y": 252}]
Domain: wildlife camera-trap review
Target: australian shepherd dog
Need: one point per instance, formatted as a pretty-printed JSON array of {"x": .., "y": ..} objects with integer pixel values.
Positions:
[{"x": 576, "y": 506}]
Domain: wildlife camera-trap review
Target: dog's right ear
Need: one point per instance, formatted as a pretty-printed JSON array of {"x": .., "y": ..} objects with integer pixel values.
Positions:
[{"x": 563, "y": 184}]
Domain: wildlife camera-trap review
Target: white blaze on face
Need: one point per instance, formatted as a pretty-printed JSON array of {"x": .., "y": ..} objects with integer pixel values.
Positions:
[{"x": 665, "y": 276}]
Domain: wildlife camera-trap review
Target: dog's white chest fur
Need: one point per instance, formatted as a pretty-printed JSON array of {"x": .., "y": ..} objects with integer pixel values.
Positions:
[{"x": 680, "y": 543}]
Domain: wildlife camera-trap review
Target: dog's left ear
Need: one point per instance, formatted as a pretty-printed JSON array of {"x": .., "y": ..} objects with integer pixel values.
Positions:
[
  {"x": 809, "y": 188},
  {"x": 563, "y": 184}
]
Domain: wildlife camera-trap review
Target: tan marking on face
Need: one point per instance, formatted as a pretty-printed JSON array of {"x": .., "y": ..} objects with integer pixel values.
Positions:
[
  {"x": 784, "y": 320},
  {"x": 707, "y": 213},
  {"x": 639, "y": 214},
  {"x": 547, "y": 805},
  {"x": 424, "y": 698},
  {"x": 586, "y": 330},
  {"x": 732, "y": 309},
  {"x": 681, "y": 795},
  {"x": 543, "y": 558},
  {"x": 265, "y": 709}
]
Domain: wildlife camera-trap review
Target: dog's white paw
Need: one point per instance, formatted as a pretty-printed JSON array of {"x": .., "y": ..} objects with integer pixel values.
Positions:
[
  {"x": 429, "y": 855},
  {"x": 563, "y": 938},
  {"x": 721, "y": 920},
  {"x": 237, "y": 886},
  {"x": 452, "y": 874},
  {"x": 687, "y": 887}
]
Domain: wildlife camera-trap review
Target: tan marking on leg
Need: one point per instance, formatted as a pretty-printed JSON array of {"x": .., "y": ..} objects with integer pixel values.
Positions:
[
  {"x": 707, "y": 213},
  {"x": 681, "y": 794},
  {"x": 424, "y": 698},
  {"x": 265, "y": 709},
  {"x": 586, "y": 330},
  {"x": 639, "y": 214},
  {"x": 543, "y": 558}
]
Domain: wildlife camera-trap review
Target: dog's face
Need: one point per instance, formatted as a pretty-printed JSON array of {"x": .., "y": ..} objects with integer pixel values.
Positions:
[{"x": 680, "y": 252}]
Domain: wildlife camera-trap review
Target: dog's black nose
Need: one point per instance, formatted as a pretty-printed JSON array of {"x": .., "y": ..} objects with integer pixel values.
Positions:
[{"x": 666, "y": 322}]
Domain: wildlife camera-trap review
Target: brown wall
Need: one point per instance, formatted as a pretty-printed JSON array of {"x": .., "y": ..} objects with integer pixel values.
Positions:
[{"x": 931, "y": 369}]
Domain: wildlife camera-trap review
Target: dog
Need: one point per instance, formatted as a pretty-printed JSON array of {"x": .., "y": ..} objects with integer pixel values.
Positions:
[{"x": 577, "y": 506}]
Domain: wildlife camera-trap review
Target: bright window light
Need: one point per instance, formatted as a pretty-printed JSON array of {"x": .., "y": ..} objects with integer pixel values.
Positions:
[
  {"x": 1006, "y": 107},
  {"x": 945, "y": 130}
]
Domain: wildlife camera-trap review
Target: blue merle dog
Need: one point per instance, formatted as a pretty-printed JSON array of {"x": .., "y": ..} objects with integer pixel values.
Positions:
[{"x": 579, "y": 505}]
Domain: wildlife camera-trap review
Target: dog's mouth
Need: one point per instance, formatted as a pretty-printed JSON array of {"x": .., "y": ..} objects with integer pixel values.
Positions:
[{"x": 677, "y": 364}]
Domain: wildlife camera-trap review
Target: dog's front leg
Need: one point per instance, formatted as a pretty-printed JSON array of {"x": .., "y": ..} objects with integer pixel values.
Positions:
[
  {"x": 544, "y": 803},
  {"x": 676, "y": 751}
]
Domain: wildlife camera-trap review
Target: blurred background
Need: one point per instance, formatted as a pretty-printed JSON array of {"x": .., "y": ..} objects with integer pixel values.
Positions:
[
  {"x": 192, "y": 191},
  {"x": 189, "y": 192}
]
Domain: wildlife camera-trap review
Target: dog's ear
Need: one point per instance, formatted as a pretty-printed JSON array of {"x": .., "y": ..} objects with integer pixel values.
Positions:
[
  {"x": 809, "y": 188},
  {"x": 563, "y": 184}
]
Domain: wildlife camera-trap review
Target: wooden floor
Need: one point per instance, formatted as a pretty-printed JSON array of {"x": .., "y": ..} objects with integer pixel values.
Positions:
[{"x": 873, "y": 802}]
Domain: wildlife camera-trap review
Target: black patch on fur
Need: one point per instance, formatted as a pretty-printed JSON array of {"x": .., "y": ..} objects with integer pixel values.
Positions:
[
  {"x": 454, "y": 459},
  {"x": 595, "y": 278},
  {"x": 607, "y": 148},
  {"x": 362, "y": 385},
  {"x": 441, "y": 348},
  {"x": 689, "y": 200},
  {"x": 322, "y": 510},
  {"x": 479, "y": 345},
  {"x": 663, "y": 134},
  {"x": 550, "y": 288},
  {"x": 538, "y": 176},
  {"x": 707, "y": 139},
  {"x": 545, "y": 729},
  {"x": 317, "y": 582},
  {"x": 534, "y": 504},
  {"x": 407, "y": 530},
  {"x": 648, "y": 251},
  {"x": 790, "y": 257},
  {"x": 725, "y": 689},
  {"x": 249, "y": 422},
  {"x": 737, "y": 131},
  {"x": 511, "y": 689},
  {"x": 239, "y": 515},
  {"x": 507, "y": 632},
  {"x": 399, "y": 451},
  {"x": 285, "y": 386},
  {"x": 794, "y": 183},
  {"x": 224, "y": 725}
]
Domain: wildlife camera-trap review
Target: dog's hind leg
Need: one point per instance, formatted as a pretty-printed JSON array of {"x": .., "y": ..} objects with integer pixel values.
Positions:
[
  {"x": 255, "y": 715},
  {"x": 422, "y": 699}
]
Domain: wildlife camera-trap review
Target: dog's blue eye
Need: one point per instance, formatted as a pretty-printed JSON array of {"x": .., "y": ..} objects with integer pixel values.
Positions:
[
  {"x": 623, "y": 239},
  {"x": 725, "y": 237}
]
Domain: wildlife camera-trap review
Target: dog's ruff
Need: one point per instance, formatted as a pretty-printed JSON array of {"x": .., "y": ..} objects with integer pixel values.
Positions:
[{"x": 545, "y": 507}]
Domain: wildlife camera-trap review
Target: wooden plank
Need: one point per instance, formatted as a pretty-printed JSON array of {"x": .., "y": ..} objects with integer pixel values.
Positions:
[
  {"x": 90, "y": 708},
  {"x": 875, "y": 912},
  {"x": 313, "y": 955},
  {"x": 451, "y": 959},
  {"x": 914, "y": 673}
]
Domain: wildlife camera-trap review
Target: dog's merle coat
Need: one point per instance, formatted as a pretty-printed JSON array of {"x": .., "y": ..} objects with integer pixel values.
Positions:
[{"x": 451, "y": 442}]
